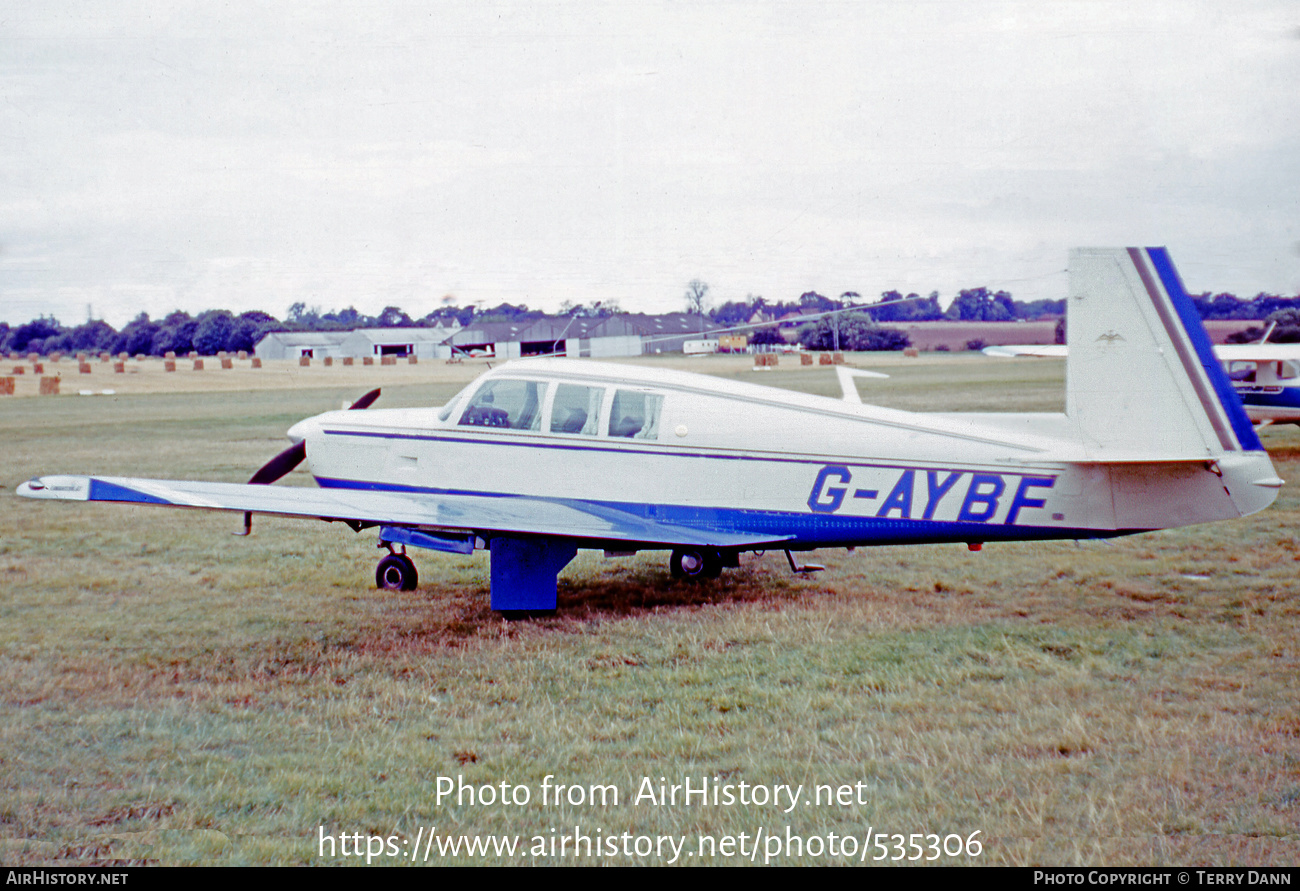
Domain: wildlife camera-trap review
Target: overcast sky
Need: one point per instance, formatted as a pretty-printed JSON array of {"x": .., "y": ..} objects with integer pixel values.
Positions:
[{"x": 245, "y": 155}]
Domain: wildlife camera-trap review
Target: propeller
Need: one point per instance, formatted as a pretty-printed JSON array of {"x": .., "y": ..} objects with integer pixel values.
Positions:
[{"x": 291, "y": 457}]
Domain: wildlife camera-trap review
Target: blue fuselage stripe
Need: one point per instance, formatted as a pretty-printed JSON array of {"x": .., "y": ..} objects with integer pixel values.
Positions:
[{"x": 809, "y": 530}]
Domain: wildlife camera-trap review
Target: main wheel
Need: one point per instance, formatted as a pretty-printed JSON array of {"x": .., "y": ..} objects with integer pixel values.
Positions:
[
  {"x": 396, "y": 572},
  {"x": 695, "y": 563}
]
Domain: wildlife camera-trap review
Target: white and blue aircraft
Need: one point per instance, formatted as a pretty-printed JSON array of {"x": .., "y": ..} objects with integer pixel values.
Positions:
[{"x": 538, "y": 458}]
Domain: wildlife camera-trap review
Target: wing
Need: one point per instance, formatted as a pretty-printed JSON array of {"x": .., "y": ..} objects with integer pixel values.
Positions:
[
  {"x": 1041, "y": 351},
  {"x": 1258, "y": 352},
  {"x": 422, "y": 510}
]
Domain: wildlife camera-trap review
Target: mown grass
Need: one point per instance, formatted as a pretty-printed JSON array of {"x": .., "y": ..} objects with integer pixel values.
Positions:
[{"x": 173, "y": 693}]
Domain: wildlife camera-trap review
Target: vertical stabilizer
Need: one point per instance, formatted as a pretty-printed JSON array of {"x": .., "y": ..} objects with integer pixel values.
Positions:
[{"x": 1141, "y": 374}]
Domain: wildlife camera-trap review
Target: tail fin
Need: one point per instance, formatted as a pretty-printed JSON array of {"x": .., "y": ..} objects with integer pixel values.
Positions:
[{"x": 1141, "y": 373}]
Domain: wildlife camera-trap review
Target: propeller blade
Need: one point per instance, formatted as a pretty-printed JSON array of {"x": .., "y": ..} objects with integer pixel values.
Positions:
[
  {"x": 280, "y": 465},
  {"x": 365, "y": 401},
  {"x": 294, "y": 455}
]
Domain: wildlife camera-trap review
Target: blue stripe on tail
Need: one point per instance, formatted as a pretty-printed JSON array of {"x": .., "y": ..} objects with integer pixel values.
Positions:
[{"x": 1200, "y": 341}]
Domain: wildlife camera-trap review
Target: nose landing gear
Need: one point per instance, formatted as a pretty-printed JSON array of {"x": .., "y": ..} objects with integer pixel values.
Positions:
[{"x": 396, "y": 572}]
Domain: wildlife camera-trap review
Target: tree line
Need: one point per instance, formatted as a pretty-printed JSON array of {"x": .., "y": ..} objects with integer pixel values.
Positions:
[{"x": 213, "y": 331}]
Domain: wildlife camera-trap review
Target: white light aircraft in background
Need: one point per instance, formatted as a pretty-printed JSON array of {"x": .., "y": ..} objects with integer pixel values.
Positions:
[
  {"x": 1265, "y": 375},
  {"x": 538, "y": 458}
]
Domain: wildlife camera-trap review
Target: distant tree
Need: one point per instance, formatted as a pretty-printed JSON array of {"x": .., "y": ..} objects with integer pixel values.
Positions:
[
  {"x": 20, "y": 339},
  {"x": 857, "y": 331},
  {"x": 696, "y": 296},
  {"x": 737, "y": 312},
  {"x": 213, "y": 332},
  {"x": 811, "y": 301},
  {"x": 393, "y": 317},
  {"x": 978, "y": 305},
  {"x": 911, "y": 308},
  {"x": 93, "y": 337},
  {"x": 175, "y": 334},
  {"x": 1037, "y": 309},
  {"x": 347, "y": 318},
  {"x": 1288, "y": 326},
  {"x": 136, "y": 337}
]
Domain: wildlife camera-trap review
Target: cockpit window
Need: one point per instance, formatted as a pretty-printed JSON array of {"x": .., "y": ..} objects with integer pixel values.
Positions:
[
  {"x": 635, "y": 415},
  {"x": 445, "y": 412},
  {"x": 576, "y": 409},
  {"x": 516, "y": 405}
]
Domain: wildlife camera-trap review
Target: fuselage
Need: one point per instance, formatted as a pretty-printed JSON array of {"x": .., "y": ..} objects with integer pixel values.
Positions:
[{"x": 709, "y": 453}]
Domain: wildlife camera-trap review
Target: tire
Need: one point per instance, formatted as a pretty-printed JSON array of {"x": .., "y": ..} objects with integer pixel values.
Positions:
[
  {"x": 396, "y": 572},
  {"x": 694, "y": 564}
]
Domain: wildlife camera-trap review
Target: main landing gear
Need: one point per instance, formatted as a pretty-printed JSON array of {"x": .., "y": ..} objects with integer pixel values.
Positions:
[
  {"x": 694, "y": 564},
  {"x": 396, "y": 572}
]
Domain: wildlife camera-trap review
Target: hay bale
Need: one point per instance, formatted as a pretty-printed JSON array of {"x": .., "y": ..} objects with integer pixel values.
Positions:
[
  {"x": 198, "y": 364},
  {"x": 170, "y": 354},
  {"x": 119, "y": 368},
  {"x": 241, "y": 355},
  {"x": 221, "y": 354},
  {"x": 32, "y": 357},
  {"x": 83, "y": 367},
  {"x": 367, "y": 360},
  {"x": 911, "y": 352},
  {"x": 139, "y": 357},
  {"x": 304, "y": 361},
  {"x": 192, "y": 354},
  {"x": 388, "y": 360},
  {"x": 328, "y": 361},
  {"x": 837, "y": 358},
  {"x": 49, "y": 386},
  {"x": 6, "y": 386},
  {"x": 82, "y": 357},
  {"x": 169, "y": 364},
  {"x": 412, "y": 360},
  {"x": 805, "y": 359},
  {"x": 347, "y": 360},
  {"x": 20, "y": 369},
  {"x": 38, "y": 368},
  {"x": 257, "y": 363},
  {"x": 825, "y": 359},
  {"x": 227, "y": 363},
  {"x": 54, "y": 357}
]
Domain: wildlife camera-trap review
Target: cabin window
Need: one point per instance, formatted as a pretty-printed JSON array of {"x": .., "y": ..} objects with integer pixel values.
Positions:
[
  {"x": 635, "y": 415},
  {"x": 576, "y": 409},
  {"x": 516, "y": 405},
  {"x": 1242, "y": 372},
  {"x": 1288, "y": 371}
]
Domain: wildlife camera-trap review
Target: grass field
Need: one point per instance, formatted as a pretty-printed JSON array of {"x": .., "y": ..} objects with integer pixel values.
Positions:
[{"x": 175, "y": 694}]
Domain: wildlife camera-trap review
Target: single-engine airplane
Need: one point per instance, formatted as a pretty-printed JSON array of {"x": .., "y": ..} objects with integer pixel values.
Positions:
[
  {"x": 538, "y": 458},
  {"x": 1265, "y": 375}
]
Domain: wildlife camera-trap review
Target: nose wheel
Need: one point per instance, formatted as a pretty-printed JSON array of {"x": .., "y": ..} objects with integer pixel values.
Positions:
[{"x": 396, "y": 572}]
